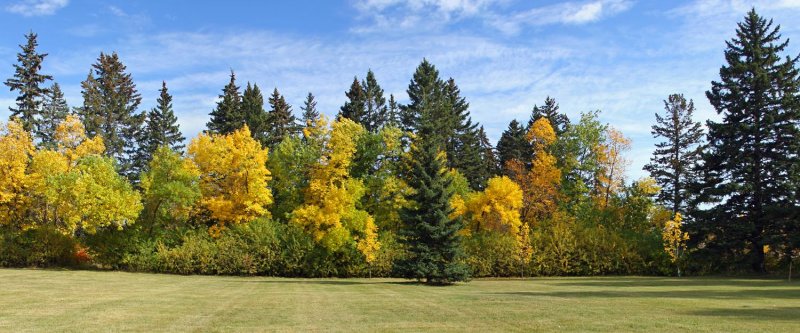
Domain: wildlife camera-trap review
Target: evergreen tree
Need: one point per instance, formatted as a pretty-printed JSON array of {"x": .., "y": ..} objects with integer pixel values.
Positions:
[
  {"x": 28, "y": 81},
  {"x": 254, "y": 114},
  {"x": 674, "y": 158},
  {"x": 160, "y": 129},
  {"x": 393, "y": 112},
  {"x": 488, "y": 156},
  {"x": 374, "y": 103},
  {"x": 463, "y": 145},
  {"x": 227, "y": 117},
  {"x": 425, "y": 92},
  {"x": 432, "y": 238},
  {"x": 353, "y": 109},
  {"x": 280, "y": 121},
  {"x": 754, "y": 148},
  {"x": 310, "y": 113},
  {"x": 513, "y": 146},
  {"x": 54, "y": 111},
  {"x": 549, "y": 110},
  {"x": 110, "y": 100}
]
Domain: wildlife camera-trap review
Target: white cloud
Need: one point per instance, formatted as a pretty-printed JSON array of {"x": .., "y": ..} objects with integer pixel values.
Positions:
[
  {"x": 562, "y": 13},
  {"x": 36, "y": 7}
]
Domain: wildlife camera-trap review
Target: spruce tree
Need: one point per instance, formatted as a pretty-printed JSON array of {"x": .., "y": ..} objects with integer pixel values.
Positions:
[
  {"x": 463, "y": 144},
  {"x": 676, "y": 155},
  {"x": 280, "y": 121},
  {"x": 393, "y": 112},
  {"x": 513, "y": 146},
  {"x": 254, "y": 114},
  {"x": 488, "y": 156},
  {"x": 432, "y": 238},
  {"x": 54, "y": 111},
  {"x": 110, "y": 102},
  {"x": 374, "y": 103},
  {"x": 753, "y": 149},
  {"x": 354, "y": 109},
  {"x": 28, "y": 81},
  {"x": 425, "y": 92},
  {"x": 310, "y": 113},
  {"x": 160, "y": 129},
  {"x": 549, "y": 110},
  {"x": 227, "y": 117}
]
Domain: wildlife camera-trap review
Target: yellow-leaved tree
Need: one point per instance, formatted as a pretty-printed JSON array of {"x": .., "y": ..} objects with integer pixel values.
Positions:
[
  {"x": 612, "y": 164},
  {"x": 495, "y": 210},
  {"x": 16, "y": 148},
  {"x": 75, "y": 188},
  {"x": 675, "y": 239},
  {"x": 233, "y": 177},
  {"x": 329, "y": 212},
  {"x": 540, "y": 185}
]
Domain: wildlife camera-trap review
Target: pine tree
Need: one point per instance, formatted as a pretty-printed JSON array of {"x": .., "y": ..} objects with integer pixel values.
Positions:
[
  {"x": 255, "y": 116},
  {"x": 425, "y": 92},
  {"x": 432, "y": 238},
  {"x": 110, "y": 100},
  {"x": 674, "y": 158},
  {"x": 393, "y": 112},
  {"x": 28, "y": 81},
  {"x": 353, "y": 109},
  {"x": 463, "y": 145},
  {"x": 281, "y": 122},
  {"x": 227, "y": 117},
  {"x": 549, "y": 110},
  {"x": 54, "y": 111},
  {"x": 754, "y": 148},
  {"x": 513, "y": 146},
  {"x": 310, "y": 113},
  {"x": 374, "y": 103},
  {"x": 160, "y": 129},
  {"x": 488, "y": 156}
]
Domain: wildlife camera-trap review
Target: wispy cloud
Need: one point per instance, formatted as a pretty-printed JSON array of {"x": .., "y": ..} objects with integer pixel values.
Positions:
[
  {"x": 36, "y": 7},
  {"x": 562, "y": 13}
]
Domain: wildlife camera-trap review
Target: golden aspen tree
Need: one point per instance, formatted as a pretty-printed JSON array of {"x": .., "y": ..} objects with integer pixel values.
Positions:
[
  {"x": 541, "y": 184},
  {"x": 233, "y": 177},
  {"x": 675, "y": 240},
  {"x": 16, "y": 148},
  {"x": 612, "y": 164},
  {"x": 329, "y": 212}
]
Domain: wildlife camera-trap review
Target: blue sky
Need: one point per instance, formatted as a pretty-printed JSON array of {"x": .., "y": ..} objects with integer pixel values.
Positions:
[{"x": 619, "y": 56}]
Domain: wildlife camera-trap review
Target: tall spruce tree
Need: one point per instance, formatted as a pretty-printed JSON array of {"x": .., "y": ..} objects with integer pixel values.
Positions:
[
  {"x": 54, "y": 111},
  {"x": 425, "y": 92},
  {"x": 432, "y": 238},
  {"x": 754, "y": 148},
  {"x": 28, "y": 81},
  {"x": 280, "y": 121},
  {"x": 110, "y": 102},
  {"x": 160, "y": 129},
  {"x": 393, "y": 112},
  {"x": 310, "y": 113},
  {"x": 227, "y": 117},
  {"x": 354, "y": 109},
  {"x": 254, "y": 114},
  {"x": 549, "y": 110},
  {"x": 463, "y": 144},
  {"x": 513, "y": 146},
  {"x": 488, "y": 156},
  {"x": 374, "y": 103},
  {"x": 677, "y": 154}
]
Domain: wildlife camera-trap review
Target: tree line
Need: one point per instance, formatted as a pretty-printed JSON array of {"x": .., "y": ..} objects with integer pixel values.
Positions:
[{"x": 412, "y": 189}]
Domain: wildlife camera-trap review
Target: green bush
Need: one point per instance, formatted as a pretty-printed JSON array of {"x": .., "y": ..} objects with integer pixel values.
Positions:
[{"x": 36, "y": 247}]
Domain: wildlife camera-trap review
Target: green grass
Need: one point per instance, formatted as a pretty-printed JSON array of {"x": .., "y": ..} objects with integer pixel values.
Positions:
[{"x": 79, "y": 301}]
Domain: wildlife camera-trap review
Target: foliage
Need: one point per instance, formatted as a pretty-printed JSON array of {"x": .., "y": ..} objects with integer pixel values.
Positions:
[{"x": 16, "y": 148}]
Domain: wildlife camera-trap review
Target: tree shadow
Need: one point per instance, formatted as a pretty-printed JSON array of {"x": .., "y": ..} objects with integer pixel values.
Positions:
[
  {"x": 333, "y": 282},
  {"x": 674, "y": 282},
  {"x": 697, "y": 294},
  {"x": 778, "y": 313}
]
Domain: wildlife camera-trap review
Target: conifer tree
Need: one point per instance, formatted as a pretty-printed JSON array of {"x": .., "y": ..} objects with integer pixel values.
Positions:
[
  {"x": 54, "y": 111},
  {"x": 393, "y": 112},
  {"x": 425, "y": 92},
  {"x": 431, "y": 236},
  {"x": 463, "y": 145},
  {"x": 110, "y": 102},
  {"x": 549, "y": 110},
  {"x": 374, "y": 103},
  {"x": 227, "y": 116},
  {"x": 280, "y": 121},
  {"x": 310, "y": 113},
  {"x": 160, "y": 129},
  {"x": 354, "y": 109},
  {"x": 254, "y": 114},
  {"x": 488, "y": 156},
  {"x": 754, "y": 147},
  {"x": 513, "y": 146},
  {"x": 678, "y": 152},
  {"x": 28, "y": 81}
]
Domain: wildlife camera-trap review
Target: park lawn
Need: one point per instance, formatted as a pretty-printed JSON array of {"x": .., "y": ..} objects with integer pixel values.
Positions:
[{"x": 84, "y": 301}]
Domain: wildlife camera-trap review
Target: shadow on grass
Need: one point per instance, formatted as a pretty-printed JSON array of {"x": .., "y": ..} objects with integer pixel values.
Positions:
[
  {"x": 333, "y": 282},
  {"x": 696, "y": 294},
  {"x": 674, "y": 282},
  {"x": 780, "y": 313}
]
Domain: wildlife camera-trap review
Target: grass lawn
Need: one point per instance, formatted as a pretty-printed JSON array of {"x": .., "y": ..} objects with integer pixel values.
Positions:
[{"x": 79, "y": 301}]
